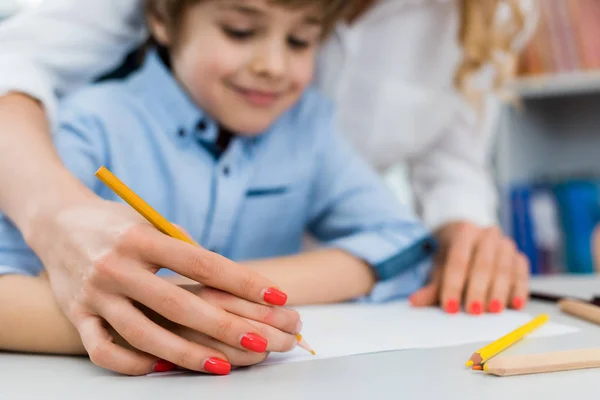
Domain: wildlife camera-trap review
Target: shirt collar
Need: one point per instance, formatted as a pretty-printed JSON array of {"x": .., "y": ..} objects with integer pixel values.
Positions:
[{"x": 174, "y": 110}]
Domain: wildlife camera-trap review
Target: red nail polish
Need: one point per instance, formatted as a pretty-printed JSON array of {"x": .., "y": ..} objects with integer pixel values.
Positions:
[
  {"x": 275, "y": 297},
  {"x": 452, "y": 306},
  {"x": 217, "y": 366},
  {"x": 476, "y": 308},
  {"x": 517, "y": 303},
  {"x": 254, "y": 342},
  {"x": 495, "y": 306},
  {"x": 163, "y": 366}
]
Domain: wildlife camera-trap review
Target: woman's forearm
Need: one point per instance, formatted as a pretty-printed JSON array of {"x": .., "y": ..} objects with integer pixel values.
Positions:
[
  {"x": 323, "y": 276},
  {"x": 30, "y": 169},
  {"x": 31, "y": 320}
]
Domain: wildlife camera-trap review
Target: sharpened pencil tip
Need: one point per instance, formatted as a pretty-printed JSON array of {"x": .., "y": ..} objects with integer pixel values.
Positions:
[
  {"x": 477, "y": 368},
  {"x": 469, "y": 363},
  {"x": 302, "y": 343}
]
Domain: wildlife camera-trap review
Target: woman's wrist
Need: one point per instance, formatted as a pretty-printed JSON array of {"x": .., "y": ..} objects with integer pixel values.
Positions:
[{"x": 42, "y": 215}]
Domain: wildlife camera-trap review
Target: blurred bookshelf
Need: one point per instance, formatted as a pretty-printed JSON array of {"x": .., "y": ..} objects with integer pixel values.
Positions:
[{"x": 547, "y": 158}]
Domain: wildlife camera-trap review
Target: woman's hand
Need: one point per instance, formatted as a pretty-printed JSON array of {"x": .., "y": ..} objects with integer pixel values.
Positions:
[
  {"x": 102, "y": 258},
  {"x": 479, "y": 268},
  {"x": 272, "y": 323}
]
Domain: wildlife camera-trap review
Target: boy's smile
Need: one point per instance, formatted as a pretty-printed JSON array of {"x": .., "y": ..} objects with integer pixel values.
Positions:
[
  {"x": 244, "y": 62},
  {"x": 258, "y": 98}
]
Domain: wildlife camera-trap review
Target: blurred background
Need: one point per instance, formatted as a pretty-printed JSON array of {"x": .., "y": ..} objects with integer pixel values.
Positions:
[
  {"x": 11, "y": 7},
  {"x": 546, "y": 156}
]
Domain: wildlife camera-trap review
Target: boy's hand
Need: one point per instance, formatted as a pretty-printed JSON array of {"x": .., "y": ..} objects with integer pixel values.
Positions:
[
  {"x": 102, "y": 257},
  {"x": 478, "y": 265}
]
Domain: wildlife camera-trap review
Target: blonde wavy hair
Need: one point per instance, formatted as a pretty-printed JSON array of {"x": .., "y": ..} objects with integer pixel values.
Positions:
[{"x": 487, "y": 40}]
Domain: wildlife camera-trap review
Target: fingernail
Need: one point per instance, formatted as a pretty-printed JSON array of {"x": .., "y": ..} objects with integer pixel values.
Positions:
[
  {"x": 452, "y": 306},
  {"x": 517, "y": 303},
  {"x": 299, "y": 327},
  {"x": 475, "y": 308},
  {"x": 275, "y": 297},
  {"x": 163, "y": 366},
  {"x": 254, "y": 342},
  {"x": 217, "y": 366},
  {"x": 495, "y": 306}
]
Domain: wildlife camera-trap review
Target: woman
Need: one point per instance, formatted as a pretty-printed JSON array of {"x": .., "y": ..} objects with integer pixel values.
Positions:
[{"x": 63, "y": 44}]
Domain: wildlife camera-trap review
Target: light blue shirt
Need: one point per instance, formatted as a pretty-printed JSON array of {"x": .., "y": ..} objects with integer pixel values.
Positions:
[{"x": 257, "y": 199}]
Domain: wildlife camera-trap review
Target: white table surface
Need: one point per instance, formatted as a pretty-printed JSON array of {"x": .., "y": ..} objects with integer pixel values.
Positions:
[{"x": 408, "y": 374}]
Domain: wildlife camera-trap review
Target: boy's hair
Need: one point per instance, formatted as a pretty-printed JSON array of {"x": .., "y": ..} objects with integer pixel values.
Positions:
[{"x": 171, "y": 11}]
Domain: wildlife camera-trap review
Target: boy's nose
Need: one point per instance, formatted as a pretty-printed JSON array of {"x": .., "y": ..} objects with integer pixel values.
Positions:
[{"x": 270, "y": 61}]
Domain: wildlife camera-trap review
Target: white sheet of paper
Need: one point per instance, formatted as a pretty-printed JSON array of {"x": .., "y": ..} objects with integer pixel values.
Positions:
[{"x": 349, "y": 329}]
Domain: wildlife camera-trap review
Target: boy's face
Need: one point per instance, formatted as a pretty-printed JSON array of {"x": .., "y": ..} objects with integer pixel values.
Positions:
[{"x": 244, "y": 62}]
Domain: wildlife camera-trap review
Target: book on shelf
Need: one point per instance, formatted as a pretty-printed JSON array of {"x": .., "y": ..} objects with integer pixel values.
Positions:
[
  {"x": 553, "y": 223},
  {"x": 567, "y": 39}
]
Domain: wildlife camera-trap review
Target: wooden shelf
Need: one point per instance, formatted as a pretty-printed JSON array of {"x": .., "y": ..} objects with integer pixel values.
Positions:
[{"x": 565, "y": 84}]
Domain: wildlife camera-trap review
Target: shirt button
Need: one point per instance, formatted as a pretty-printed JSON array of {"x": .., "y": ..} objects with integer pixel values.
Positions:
[
  {"x": 202, "y": 126},
  {"x": 226, "y": 171},
  {"x": 428, "y": 246},
  {"x": 181, "y": 132}
]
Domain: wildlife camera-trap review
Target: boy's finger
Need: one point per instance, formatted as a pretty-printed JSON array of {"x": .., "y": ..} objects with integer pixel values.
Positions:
[
  {"x": 106, "y": 354},
  {"x": 480, "y": 274},
  {"x": 502, "y": 282},
  {"x": 521, "y": 283},
  {"x": 456, "y": 268},
  {"x": 206, "y": 267}
]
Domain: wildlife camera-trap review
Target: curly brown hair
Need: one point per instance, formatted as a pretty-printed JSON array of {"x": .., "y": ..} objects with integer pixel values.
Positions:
[{"x": 486, "y": 40}]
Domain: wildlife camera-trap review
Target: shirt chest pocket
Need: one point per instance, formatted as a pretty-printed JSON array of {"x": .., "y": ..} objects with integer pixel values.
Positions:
[{"x": 272, "y": 220}]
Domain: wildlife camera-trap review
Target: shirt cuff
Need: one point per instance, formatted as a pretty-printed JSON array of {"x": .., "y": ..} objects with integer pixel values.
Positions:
[
  {"x": 479, "y": 211},
  {"x": 17, "y": 75},
  {"x": 389, "y": 256},
  {"x": 8, "y": 270},
  {"x": 401, "y": 286}
]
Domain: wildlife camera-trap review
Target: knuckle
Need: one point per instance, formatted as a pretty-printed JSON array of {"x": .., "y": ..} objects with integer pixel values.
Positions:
[
  {"x": 99, "y": 354},
  {"x": 104, "y": 268},
  {"x": 248, "y": 285},
  {"x": 173, "y": 305},
  {"x": 133, "y": 333},
  {"x": 264, "y": 313},
  {"x": 465, "y": 228},
  {"x": 509, "y": 246},
  {"x": 215, "y": 296},
  {"x": 222, "y": 329},
  {"x": 202, "y": 269},
  {"x": 453, "y": 286},
  {"x": 86, "y": 296},
  {"x": 185, "y": 358},
  {"x": 294, "y": 316},
  {"x": 523, "y": 263},
  {"x": 459, "y": 260}
]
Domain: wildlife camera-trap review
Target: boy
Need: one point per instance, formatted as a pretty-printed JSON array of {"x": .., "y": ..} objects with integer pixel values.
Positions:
[{"x": 219, "y": 132}]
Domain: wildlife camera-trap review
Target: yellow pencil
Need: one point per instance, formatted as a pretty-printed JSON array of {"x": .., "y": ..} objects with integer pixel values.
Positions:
[
  {"x": 159, "y": 222},
  {"x": 489, "y": 351}
]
